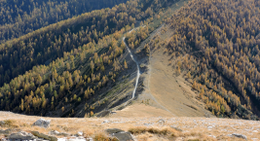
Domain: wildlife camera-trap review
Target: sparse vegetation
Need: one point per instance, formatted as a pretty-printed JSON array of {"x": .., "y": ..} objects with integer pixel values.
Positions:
[
  {"x": 103, "y": 137},
  {"x": 164, "y": 132}
]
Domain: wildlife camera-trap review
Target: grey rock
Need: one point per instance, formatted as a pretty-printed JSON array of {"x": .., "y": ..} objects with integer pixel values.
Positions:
[
  {"x": 161, "y": 122},
  {"x": 120, "y": 134},
  {"x": 42, "y": 123},
  {"x": 148, "y": 124},
  {"x": 41, "y": 135},
  {"x": 113, "y": 130},
  {"x": 22, "y": 136},
  {"x": 7, "y": 131},
  {"x": 64, "y": 134},
  {"x": 2, "y": 123},
  {"x": 89, "y": 139},
  {"x": 73, "y": 138},
  {"x": 239, "y": 136},
  {"x": 54, "y": 132},
  {"x": 80, "y": 133},
  {"x": 3, "y": 139},
  {"x": 124, "y": 136},
  {"x": 176, "y": 128},
  {"x": 105, "y": 121}
]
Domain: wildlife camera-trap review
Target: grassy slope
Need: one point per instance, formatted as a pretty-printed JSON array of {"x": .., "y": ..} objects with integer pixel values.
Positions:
[{"x": 193, "y": 128}]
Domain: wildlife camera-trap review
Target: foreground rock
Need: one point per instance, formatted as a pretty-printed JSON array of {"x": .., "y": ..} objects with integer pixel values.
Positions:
[
  {"x": 239, "y": 136},
  {"x": 161, "y": 122},
  {"x": 7, "y": 131},
  {"x": 54, "y": 132},
  {"x": 120, "y": 134},
  {"x": 22, "y": 136},
  {"x": 42, "y": 123},
  {"x": 41, "y": 135},
  {"x": 75, "y": 139},
  {"x": 176, "y": 128}
]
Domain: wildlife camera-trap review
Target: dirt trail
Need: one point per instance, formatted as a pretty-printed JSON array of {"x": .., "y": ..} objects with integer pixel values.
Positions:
[
  {"x": 137, "y": 66},
  {"x": 138, "y": 69}
]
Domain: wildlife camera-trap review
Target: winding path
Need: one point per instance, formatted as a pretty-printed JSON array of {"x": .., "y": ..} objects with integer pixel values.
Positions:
[
  {"x": 137, "y": 65},
  {"x": 138, "y": 72}
]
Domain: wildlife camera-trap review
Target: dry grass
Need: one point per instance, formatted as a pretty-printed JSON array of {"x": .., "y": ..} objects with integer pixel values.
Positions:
[
  {"x": 143, "y": 128},
  {"x": 9, "y": 124},
  {"x": 167, "y": 134},
  {"x": 103, "y": 137},
  {"x": 153, "y": 130}
]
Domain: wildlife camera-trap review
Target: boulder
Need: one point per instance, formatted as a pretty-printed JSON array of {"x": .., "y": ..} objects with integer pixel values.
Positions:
[
  {"x": 176, "y": 128},
  {"x": 161, "y": 122},
  {"x": 105, "y": 121},
  {"x": 124, "y": 136},
  {"x": 120, "y": 134},
  {"x": 114, "y": 130},
  {"x": 89, "y": 139},
  {"x": 42, "y": 123},
  {"x": 80, "y": 133},
  {"x": 22, "y": 136},
  {"x": 2, "y": 123},
  {"x": 7, "y": 131},
  {"x": 73, "y": 138},
  {"x": 54, "y": 132},
  {"x": 239, "y": 136},
  {"x": 41, "y": 135}
]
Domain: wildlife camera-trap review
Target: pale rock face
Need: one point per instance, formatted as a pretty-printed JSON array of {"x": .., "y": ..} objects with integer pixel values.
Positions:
[{"x": 42, "y": 123}]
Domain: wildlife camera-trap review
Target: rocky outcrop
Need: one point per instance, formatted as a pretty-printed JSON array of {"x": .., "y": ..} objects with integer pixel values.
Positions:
[
  {"x": 161, "y": 122},
  {"x": 239, "y": 136},
  {"x": 7, "y": 131},
  {"x": 42, "y": 123},
  {"x": 54, "y": 132},
  {"x": 41, "y": 135},
  {"x": 120, "y": 134},
  {"x": 113, "y": 130},
  {"x": 22, "y": 136},
  {"x": 176, "y": 128}
]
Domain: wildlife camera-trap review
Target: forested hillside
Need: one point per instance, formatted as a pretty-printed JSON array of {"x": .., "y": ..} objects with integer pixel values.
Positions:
[
  {"x": 82, "y": 55},
  {"x": 48, "y": 43},
  {"x": 68, "y": 67},
  {"x": 19, "y": 17},
  {"x": 215, "y": 45}
]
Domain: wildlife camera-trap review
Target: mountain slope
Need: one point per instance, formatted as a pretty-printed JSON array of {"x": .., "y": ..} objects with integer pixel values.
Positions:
[
  {"x": 214, "y": 47},
  {"x": 93, "y": 75},
  {"x": 48, "y": 43},
  {"x": 202, "y": 61}
]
